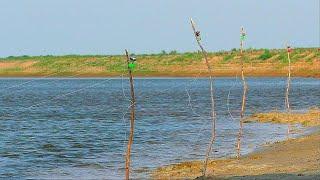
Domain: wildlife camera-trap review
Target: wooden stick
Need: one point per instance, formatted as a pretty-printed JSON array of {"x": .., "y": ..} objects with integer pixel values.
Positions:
[
  {"x": 132, "y": 119},
  {"x": 243, "y": 104},
  {"x": 213, "y": 115},
  {"x": 287, "y": 104}
]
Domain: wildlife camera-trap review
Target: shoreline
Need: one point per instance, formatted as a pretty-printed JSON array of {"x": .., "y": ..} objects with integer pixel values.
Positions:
[
  {"x": 305, "y": 62},
  {"x": 289, "y": 158},
  {"x": 44, "y": 76},
  {"x": 292, "y": 158}
]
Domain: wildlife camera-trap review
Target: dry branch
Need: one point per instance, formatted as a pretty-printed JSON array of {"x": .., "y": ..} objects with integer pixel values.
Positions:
[
  {"x": 132, "y": 119},
  {"x": 213, "y": 115},
  {"x": 243, "y": 104},
  {"x": 287, "y": 104}
]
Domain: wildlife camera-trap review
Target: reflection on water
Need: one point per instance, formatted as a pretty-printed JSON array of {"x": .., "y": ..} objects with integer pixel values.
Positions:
[{"x": 77, "y": 128}]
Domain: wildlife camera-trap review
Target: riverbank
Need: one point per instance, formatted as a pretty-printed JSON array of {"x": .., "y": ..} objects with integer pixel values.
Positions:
[
  {"x": 293, "y": 158},
  {"x": 309, "y": 118},
  {"x": 257, "y": 63}
]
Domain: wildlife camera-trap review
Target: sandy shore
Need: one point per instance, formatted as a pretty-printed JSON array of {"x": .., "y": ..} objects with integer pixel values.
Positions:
[{"x": 291, "y": 159}]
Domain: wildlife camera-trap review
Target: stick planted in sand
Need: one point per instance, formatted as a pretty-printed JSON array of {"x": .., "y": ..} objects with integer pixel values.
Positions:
[
  {"x": 287, "y": 104},
  {"x": 245, "y": 87},
  {"x": 213, "y": 115},
  {"x": 130, "y": 62}
]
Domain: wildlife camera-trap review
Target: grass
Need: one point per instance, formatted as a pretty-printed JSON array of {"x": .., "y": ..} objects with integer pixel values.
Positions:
[
  {"x": 266, "y": 55},
  {"x": 11, "y": 70},
  {"x": 228, "y": 58},
  {"x": 283, "y": 57},
  {"x": 163, "y": 63}
]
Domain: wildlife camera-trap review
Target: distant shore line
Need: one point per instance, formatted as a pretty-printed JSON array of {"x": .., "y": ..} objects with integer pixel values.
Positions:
[
  {"x": 162, "y": 76},
  {"x": 305, "y": 62}
]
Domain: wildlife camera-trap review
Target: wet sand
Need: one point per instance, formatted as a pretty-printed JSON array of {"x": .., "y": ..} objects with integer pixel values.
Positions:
[{"x": 291, "y": 159}]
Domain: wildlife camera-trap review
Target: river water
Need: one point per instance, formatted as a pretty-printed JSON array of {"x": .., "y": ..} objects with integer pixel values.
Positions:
[{"x": 78, "y": 128}]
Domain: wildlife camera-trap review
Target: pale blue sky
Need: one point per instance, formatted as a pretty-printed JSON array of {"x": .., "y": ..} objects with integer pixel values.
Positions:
[{"x": 58, "y": 27}]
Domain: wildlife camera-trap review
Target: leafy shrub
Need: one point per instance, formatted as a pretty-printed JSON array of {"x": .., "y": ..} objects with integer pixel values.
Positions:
[
  {"x": 266, "y": 55},
  {"x": 174, "y": 52},
  {"x": 18, "y": 57}
]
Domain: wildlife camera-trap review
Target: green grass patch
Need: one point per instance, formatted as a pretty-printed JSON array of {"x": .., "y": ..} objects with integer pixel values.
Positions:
[
  {"x": 228, "y": 58},
  {"x": 11, "y": 70},
  {"x": 266, "y": 55},
  {"x": 283, "y": 58},
  {"x": 186, "y": 58}
]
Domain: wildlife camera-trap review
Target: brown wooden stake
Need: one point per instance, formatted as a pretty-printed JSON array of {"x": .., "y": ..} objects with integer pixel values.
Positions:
[
  {"x": 213, "y": 115},
  {"x": 243, "y": 104},
  {"x": 287, "y": 104},
  {"x": 132, "y": 119}
]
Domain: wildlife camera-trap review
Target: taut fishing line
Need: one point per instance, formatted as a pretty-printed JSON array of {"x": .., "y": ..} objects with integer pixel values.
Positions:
[
  {"x": 72, "y": 92},
  {"x": 27, "y": 82},
  {"x": 66, "y": 94},
  {"x": 44, "y": 77},
  {"x": 228, "y": 98},
  {"x": 191, "y": 106}
]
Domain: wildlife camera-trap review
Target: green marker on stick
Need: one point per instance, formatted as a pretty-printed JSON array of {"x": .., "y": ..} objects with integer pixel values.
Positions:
[
  {"x": 243, "y": 37},
  {"x": 132, "y": 65}
]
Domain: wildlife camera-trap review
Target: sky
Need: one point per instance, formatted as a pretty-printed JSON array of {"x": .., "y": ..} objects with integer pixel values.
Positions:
[{"x": 59, "y": 27}]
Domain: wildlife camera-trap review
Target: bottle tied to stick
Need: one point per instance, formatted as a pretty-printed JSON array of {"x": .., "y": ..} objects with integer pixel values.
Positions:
[{"x": 132, "y": 63}]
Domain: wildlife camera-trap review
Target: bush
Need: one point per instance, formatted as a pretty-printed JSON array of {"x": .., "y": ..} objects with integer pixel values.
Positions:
[
  {"x": 266, "y": 55},
  {"x": 174, "y": 52},
  {"x": 163, "y": 52},
  {"x": 18, "y": 57}
]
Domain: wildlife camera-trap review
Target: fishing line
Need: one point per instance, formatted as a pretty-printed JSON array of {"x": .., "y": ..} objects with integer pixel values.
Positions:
[
  {"x": 190, "y": 104},
  {"x": 70, "y": 93},
  {"x": 228, "y": 98},
  {"x": 189, "y": 97},
  {"x": 194, "y": 79},
  {"x": 44, "y": 83},
  {"x": 124, "y": 69},
  {"x": 125, "y": 125},
  {"x": 66, "y": 94},
  {"x": 192, "y": 109},
  {"x": 29, "y": 81},
  {"x": 44, "y": 77},
  {"x": 52, "y": 80},
  {"x": 141, "y": 95},
  {"x": 204, "y": 124}
]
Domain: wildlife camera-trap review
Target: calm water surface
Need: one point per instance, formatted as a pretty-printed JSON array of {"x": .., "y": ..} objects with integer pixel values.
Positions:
[{"x": 77, "y": 128}]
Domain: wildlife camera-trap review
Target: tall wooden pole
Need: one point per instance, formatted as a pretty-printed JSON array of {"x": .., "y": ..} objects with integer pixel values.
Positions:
[
  {"x": 132, "y": 119},
  {"x": 244, "y": 94},
  {"x": 287, "y": 104},
  {"x": 213, "y": 115}
]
